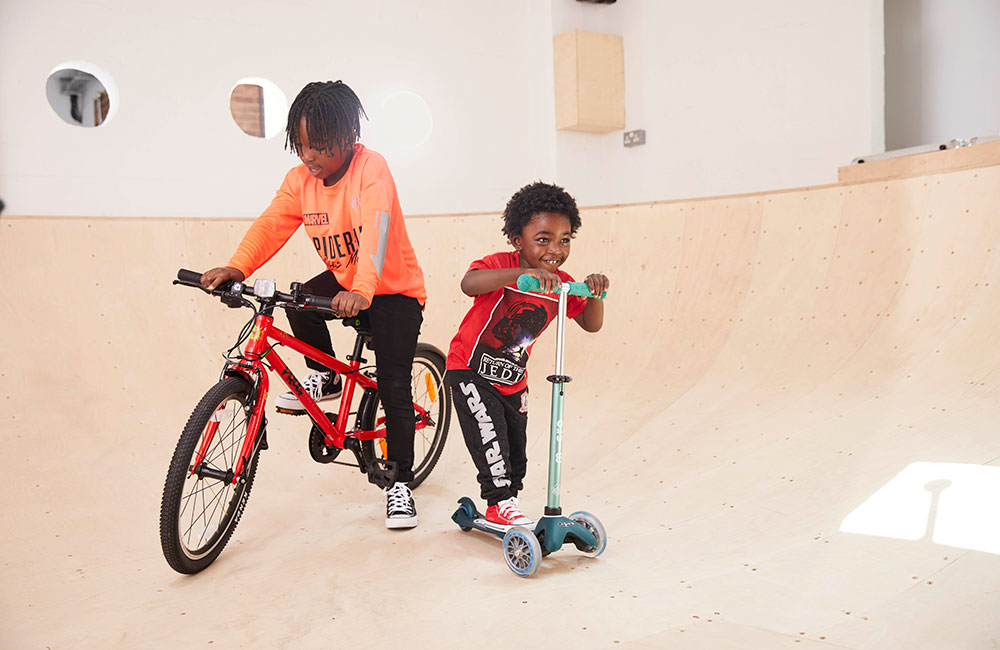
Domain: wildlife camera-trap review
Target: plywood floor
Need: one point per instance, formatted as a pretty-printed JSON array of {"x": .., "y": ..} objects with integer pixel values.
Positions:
[{"x": 788, "y": 426}]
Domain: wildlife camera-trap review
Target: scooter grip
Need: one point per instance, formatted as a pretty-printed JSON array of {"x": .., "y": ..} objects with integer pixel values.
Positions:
[{"x": 526, "y": 282}]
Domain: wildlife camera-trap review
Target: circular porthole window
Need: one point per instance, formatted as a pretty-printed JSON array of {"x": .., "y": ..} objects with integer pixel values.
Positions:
[
  {"x": 81, "y": 94},
  {"x": 258, "y": 107},
  {"x": 406, "y": 120}
]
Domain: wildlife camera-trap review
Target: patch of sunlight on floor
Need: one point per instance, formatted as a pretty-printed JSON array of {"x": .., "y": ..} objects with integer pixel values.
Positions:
[{"x": 946, "y": 503}]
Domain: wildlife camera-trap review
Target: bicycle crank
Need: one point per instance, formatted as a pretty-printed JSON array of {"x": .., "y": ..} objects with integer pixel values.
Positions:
[{"x": 318, "y": 449}]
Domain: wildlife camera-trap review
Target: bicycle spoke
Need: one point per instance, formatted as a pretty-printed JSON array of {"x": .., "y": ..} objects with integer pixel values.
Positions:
[
  {"x": 217, "y": 500},
  {"x": 224, "y": 453},
  {"x": 195, "y": 493},
  {"x": 220, "y": 493},
  {"x": 222, "y": 449},
  {"x": 203, "y": 508},
  {"x": 199, "y": 497},
  {"x": 195, "y": 518}
]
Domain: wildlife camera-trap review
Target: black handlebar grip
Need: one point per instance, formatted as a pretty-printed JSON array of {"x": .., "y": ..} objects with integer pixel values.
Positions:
[
  {"x": 190, "y": 277},
  {"x": 316, "y": 301}
]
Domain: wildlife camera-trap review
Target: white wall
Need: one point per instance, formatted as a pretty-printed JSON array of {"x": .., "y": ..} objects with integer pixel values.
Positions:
[
  {"x": 942, "y": 65},
  {"x": 173, "y": 150},
  {"x": 734, "y": 97}
]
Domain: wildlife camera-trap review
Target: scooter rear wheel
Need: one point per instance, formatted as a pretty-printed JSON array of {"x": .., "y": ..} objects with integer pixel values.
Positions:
[
  {"x": 470, "y": 512},
  {"x": 594, "y": 525}
]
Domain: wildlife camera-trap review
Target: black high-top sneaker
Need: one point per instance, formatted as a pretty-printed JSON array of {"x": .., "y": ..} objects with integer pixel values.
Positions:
[
  {"x": 400, "y": 511},
  {"x": 321, "y": 386}
]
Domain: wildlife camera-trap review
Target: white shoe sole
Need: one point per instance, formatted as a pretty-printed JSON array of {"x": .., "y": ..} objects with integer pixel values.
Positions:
[
  {"x": 293, "y": 403},
  {"x": 401, "y": 522}
]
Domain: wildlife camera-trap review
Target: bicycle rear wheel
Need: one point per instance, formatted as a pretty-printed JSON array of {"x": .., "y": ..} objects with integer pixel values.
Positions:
[
  {"x": 431, "y": 395},
  {"x": 201, "y": 504}
]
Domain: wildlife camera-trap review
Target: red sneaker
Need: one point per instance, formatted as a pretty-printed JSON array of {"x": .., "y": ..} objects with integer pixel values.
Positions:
[{"x": 508, "y": 513}]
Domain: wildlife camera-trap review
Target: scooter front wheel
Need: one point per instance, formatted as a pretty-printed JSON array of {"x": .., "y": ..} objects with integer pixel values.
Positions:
[{"x": 522, "y": 551}]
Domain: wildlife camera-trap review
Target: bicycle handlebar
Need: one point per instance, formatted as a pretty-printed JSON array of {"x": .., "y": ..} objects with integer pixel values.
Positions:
[
  {"x": 526, "y": 282},
  {"x": 232, "y": 292}
]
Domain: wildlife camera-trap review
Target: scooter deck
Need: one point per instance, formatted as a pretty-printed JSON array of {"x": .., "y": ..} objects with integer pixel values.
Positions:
[
  {"x": 489, "y": 527},
  {"x": 552, "y": 532},
  {"x": 468, "y": 517}
]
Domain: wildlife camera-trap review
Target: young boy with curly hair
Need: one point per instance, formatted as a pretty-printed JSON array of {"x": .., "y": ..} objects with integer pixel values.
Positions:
[{"x": 487, "y": 359}]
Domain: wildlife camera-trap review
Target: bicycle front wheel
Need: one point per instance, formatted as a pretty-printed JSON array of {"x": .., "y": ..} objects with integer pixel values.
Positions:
[
  {"x": 201, "y": 502},
  {"x": 432, "y": 418}
]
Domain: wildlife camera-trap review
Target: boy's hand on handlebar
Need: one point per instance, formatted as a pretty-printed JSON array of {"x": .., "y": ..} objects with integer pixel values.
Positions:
[
  {"x": 549, "y": 282},
  {"x": 348, "y": 304},
  {"x": 598, "y": 283},
  {"x": 212, "y": 278}
]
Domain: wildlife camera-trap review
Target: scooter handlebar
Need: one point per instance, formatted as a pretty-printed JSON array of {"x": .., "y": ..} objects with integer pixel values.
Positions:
[{"x": 528, "y": 283}]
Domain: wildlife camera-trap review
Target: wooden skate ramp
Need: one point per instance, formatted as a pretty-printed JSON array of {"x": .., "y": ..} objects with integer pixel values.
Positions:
[{"x": 788, "y": 426}]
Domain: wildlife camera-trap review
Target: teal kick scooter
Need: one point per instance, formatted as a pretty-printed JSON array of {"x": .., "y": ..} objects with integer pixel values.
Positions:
[{"x": 524, "y": 548}]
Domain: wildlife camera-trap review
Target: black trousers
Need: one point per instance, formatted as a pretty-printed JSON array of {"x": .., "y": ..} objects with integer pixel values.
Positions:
[
  {"x": 495, "y": 430},
  {"x": 395, "y": 321}
]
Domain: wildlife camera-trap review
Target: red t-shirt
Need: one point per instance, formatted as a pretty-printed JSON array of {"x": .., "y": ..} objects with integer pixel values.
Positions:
[{"x": 496, "y": 336}]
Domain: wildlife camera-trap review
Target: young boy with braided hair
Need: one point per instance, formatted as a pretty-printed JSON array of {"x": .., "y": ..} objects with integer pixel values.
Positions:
[
  {"x": 346, "y": 198},
  {"x": 487, "y": 359}
]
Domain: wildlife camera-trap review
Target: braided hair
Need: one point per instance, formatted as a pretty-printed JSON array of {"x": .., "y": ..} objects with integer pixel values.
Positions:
[
  {"x": 333, "y": 117},
  {"x": 538, "y": 197}
]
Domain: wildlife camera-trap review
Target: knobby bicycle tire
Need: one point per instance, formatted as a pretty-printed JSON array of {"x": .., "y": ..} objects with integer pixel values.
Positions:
[{"x": 199, "y": 514}]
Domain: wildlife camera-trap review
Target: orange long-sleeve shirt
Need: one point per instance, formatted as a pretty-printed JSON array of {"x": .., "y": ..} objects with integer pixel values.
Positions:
[{"x": 356, "y": 226}]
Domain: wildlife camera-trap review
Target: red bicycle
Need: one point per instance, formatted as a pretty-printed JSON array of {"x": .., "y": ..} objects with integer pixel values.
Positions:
[{"x": 214, "y": 463}]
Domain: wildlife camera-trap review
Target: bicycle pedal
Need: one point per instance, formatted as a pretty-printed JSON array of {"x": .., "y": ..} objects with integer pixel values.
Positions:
[
  {"x": 289, "y": 411},
  {"x": 382, "y": 472}
]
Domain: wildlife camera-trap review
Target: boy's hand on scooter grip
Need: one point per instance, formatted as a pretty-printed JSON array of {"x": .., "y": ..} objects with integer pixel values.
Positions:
[
  {"x": 348, "y": 304},
  {"x": 214, "y": 277},
  {"x": 548, "y": 282},
  {"x": 598, "y": 283}
]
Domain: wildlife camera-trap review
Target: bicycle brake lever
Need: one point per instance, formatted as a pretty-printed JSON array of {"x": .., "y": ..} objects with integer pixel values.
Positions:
[
  {"x": 304, "y": 305},
  {"x": 197, "y": 285},
  {"x": 318, "y": 302},
  {"x": 332, "y": 312}
]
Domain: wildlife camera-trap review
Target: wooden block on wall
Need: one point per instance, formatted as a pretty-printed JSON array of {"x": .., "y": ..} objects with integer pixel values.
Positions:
[{"x": 589, "y": 82}]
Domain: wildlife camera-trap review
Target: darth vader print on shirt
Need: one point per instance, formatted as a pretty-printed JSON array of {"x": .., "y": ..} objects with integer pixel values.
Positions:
[{"x": 501, "y": 353}]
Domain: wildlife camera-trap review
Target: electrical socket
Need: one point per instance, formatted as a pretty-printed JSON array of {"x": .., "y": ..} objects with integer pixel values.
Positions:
[{"x": 634, "y": 138}]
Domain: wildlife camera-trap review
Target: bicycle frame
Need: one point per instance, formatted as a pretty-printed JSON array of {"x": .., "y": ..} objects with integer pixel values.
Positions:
[{"x": 259, "y": 356}]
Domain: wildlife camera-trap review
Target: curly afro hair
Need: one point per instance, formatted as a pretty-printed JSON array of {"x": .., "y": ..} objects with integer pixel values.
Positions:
[{"x": 534, "y": 198}]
